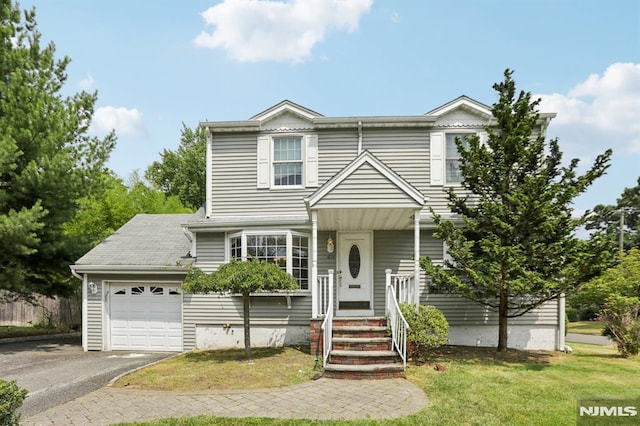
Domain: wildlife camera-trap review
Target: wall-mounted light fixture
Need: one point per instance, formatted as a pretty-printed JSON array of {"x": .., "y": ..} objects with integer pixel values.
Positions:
[
  {"x": 93, "y": 288},
  {"x": 330, "y": 246}
]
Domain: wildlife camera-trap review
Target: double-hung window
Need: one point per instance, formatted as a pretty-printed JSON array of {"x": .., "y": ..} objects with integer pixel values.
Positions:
[
  {"x": 287, "y": 249},
  {"x": 287, "y": 161},
  {"x": 452, "y": 157}
]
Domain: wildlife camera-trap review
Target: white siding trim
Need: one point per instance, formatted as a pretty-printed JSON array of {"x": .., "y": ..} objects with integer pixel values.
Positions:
[
  {"x": 264, "y": 162},
  {"x": 436, "y": 158},
  {"x": 209, "y": 175}
]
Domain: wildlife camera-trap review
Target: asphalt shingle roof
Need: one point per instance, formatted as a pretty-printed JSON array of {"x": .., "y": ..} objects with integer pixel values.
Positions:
[{"x": 146, "y": 240}]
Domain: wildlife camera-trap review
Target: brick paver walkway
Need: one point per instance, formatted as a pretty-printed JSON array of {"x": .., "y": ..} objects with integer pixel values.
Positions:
[{"x": 320, "y": 399}]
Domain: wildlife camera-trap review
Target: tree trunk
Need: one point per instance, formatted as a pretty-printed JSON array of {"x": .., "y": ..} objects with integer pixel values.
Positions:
[
  {"x": 503, "y": 312},
  {"x": 247, "y": 326}
]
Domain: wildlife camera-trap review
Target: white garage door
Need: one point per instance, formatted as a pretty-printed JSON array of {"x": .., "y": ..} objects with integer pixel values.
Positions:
[{"x": 146, "y": 316}]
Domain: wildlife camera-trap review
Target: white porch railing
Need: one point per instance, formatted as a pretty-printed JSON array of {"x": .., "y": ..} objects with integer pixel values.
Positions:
[
  {"x": 403, "y": 285},
  {"x": 325, "y": 307},
  {"x": 399, "y": 289}
]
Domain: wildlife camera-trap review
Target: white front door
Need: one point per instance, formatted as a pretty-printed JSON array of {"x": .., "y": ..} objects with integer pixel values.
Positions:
[{"x": 355, "y": 274}]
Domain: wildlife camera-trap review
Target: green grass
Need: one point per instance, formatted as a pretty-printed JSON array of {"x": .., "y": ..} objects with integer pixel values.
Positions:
[
  {"x": 482, "y": 387},
  {"x": 7, "y": 331},
  {"x": 225, "y": 369},
  {"x": 586, "y": 327}
]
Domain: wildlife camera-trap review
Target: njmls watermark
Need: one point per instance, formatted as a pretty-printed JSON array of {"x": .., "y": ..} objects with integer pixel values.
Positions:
[{"x": 604, "y": 411}]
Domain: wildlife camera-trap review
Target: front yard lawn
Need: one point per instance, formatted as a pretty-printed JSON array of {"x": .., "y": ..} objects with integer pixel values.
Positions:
[
  {"x": 226, "y": 369},
  {"x": 477, "y": 387}
]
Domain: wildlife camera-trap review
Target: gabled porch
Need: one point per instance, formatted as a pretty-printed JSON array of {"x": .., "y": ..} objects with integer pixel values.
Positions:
[{"x": 351, "y": 216}]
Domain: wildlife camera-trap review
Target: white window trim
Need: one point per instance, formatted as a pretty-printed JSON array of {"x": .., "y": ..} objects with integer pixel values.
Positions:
[
  {"x": 302, "y": 162},
  {"x": 309, "y": 160},
  {"x": 456, "y": 132},
  {"x": 289, "y": 241}
]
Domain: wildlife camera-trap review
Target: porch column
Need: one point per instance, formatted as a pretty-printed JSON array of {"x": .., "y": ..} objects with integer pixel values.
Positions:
[
  {"x": 416, "y": 256},
  {"x": 314, "y": 264}
]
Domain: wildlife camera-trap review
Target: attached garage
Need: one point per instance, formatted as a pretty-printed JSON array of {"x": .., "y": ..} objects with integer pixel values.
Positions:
[{"x": 145, "y": 316}]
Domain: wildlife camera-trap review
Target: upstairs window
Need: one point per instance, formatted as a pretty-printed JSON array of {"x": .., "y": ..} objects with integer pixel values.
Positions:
[
  {"x": 452, "y": 157},
  {"x": 287, "y": 161}
]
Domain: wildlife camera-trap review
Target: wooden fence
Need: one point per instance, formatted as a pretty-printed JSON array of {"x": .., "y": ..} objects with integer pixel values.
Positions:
[{"x": 44, "y": 311}]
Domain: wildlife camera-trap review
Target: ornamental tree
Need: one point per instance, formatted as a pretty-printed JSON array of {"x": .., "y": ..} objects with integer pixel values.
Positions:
[
  {"x": 517, "y": 248},
  {"x": 240, "y": 277}
]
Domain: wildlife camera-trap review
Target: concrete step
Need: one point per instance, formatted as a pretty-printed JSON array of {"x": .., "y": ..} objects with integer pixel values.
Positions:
[
  {"x": 360, "y": 372},
  {"x": 345, "y": 357}
]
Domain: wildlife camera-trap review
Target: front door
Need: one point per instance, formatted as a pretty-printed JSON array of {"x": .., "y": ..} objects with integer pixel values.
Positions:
[{"x": 355, "y": 274}]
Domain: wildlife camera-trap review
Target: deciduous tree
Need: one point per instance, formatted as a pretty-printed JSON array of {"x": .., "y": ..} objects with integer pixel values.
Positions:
[
  {"x": 517, "y": 248},
  {"x": 182, "y": 172}
]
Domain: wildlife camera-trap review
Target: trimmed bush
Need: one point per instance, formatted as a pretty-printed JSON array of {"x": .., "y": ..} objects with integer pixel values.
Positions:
[
  {"x": 11, "y": 398},
  {"x": 428, "y": 328}
]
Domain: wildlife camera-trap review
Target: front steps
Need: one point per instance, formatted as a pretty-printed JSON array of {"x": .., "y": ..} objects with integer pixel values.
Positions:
[{"x": 362, "y": 349}]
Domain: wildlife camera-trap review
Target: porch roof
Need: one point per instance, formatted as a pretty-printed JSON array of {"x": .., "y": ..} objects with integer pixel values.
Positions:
[{"x": 366, "y": 194}]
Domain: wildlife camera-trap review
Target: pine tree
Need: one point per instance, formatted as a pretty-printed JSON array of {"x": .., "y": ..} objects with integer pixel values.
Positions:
[
  {"x": 47, "y": 159},
  {"x": 518, "y": 247}
]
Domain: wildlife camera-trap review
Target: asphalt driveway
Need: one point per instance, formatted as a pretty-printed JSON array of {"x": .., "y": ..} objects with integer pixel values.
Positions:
[{"x": 56, "y": 370}]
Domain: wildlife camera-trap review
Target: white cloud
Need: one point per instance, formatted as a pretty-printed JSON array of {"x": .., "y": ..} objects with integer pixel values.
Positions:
[
  {"x": 87, "y": 83},
  {"x": 395, "y": 18},
  {"x": 124, "y": 121},
  {"x": 600, "y": 112},
  {"x": 258, "y": 30}
]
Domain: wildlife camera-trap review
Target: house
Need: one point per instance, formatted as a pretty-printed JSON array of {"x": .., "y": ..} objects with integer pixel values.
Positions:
[{"x": 341, "y": 203}]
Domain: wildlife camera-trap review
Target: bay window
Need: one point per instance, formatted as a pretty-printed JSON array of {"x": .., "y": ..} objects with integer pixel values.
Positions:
[{"x": 287, "y": 249}]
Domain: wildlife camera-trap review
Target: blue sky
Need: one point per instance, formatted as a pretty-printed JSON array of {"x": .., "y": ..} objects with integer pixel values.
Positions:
[{"x": 159, "y": 64}]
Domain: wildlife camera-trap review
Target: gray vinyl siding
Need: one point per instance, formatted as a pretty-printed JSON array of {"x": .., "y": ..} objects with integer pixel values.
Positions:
[
  {"x": 210, "y": 248},
  {"x": 394, "y": 250},
  {"x": 406, "y": 151},
  {"x": 234, "y": 170},
  {"x": 217, "y": 309},
  {"x": 366, "y": 186},
  {"x": 234, "y": 174},
  {"x": 460, "y": 311},
  {"x": 97, "y": 303}
]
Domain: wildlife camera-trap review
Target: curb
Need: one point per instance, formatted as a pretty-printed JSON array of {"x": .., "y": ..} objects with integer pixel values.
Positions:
[{"x": 39, "y": 337}]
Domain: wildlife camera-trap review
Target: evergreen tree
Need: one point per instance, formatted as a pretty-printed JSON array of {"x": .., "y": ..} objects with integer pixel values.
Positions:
[
  {"x": 182, "y": 172},
  {"x": 517, "y": 248},
  {"x": 47, "y": 160}
]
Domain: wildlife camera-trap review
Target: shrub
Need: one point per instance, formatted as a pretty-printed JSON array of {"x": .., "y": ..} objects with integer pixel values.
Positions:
[
  {"x": 428, "y": 328},
  {"x": 11, "y": 398},
  {"x": 572, "y": 314},
  {"x": 621, "y": 314}
]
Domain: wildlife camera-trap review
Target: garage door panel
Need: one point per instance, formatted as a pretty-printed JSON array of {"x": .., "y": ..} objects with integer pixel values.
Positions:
[{"x": 146, "y": 317}]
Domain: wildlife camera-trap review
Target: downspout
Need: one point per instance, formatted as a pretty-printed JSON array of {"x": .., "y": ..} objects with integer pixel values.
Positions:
[
  {"x": 359, "y": 137},
  {"x": 189, "y": 235},
  {"x": 85, "y": 325}
]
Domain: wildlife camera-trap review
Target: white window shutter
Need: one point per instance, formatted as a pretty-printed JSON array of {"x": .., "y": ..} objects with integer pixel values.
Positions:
[
  {"x": 311, "y": 161},
  {"x": 437, "y": 158},
  {"x": 484, "y": 137},
  {"x": 264, "y": 162}
]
